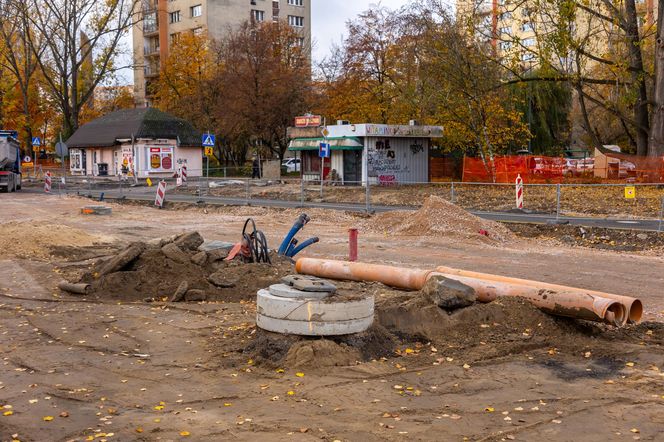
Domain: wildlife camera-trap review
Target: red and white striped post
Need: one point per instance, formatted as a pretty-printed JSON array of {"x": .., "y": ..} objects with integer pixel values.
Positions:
[
  {"x": 161, "y": 194},
  {"x": 47, "y": 182},
  {"x": 352, "y": 245},
  {"x": 184, "y": 174},
  {"x": 519, "y": 192}
]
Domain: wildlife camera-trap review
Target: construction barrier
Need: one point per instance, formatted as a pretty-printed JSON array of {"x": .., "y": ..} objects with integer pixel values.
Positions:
[
  {"x": 505, "y": 169},
  {"x": 605, "y": 164},
  {"x": 161, "y": 194},
  {"x": 47, "y": 182},
  {"x": 519, "y": 192}
]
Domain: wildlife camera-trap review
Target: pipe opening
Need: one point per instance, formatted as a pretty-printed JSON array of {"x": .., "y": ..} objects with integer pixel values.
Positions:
[
  {"x": 616, "y": 314},
  {"x": 636, "y": 311}
]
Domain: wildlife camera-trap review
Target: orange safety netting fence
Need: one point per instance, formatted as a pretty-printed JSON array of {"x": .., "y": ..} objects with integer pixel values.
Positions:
[
  {"x": 604, "y": 165},
  {"x": 504, "y": 169}
]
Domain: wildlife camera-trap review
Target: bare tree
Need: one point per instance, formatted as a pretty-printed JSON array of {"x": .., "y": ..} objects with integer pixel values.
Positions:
[{"x": 82, "y": 45}]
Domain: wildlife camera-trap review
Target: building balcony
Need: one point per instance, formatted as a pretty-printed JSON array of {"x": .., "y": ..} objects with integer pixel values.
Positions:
[
  {"x": 151, "y": 52},
  {"x": 149, "y": 30}
]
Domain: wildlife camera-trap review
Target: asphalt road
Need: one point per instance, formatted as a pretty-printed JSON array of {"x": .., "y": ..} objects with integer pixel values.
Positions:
[{"x": 146, "y": 194}]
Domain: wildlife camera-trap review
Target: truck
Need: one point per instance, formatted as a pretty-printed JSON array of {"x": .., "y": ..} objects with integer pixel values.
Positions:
[{"x": 10, "y": 161}]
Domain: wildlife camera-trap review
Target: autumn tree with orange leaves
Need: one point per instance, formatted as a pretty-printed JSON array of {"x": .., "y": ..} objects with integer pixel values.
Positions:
[{"x": 399, "y": 66}]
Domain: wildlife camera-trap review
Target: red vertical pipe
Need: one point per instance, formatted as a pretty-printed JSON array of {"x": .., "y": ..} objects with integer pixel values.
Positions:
[{"x": 352, "y": 245}]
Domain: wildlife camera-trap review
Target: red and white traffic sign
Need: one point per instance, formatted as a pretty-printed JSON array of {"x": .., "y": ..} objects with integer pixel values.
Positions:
[
  {"x": 161, "y": 194},
  {"x": 47, "y": 182},
  {"x": 519, "y": 192}
]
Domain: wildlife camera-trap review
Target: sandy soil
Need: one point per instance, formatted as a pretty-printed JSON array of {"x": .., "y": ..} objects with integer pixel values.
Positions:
[{"x": 98, "y": 369}]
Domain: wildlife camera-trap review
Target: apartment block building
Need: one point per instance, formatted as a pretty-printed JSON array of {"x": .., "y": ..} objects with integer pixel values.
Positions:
[
  {"x": 513, "y": 27},
  {"x": 163, "y": 20}
]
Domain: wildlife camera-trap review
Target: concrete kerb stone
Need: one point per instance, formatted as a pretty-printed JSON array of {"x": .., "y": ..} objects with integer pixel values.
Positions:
[{"x": 172, "y": 251}]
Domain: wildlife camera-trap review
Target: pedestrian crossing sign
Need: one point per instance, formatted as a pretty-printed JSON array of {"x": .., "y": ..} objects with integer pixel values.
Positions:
[{"x": 208, "y": 140}]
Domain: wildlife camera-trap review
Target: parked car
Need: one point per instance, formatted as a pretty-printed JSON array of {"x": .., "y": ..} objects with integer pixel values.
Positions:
[
  {"x": 578, "y": 167},
  {"x": 571, "y": 167},
  {"x": 291, "y": 164},
  {"x": 627, "y": 169}
]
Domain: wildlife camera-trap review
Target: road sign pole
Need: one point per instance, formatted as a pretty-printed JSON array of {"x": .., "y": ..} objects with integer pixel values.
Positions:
[
  {"x": 322, "y": 166},
  {"x": 62, "y": 159}
]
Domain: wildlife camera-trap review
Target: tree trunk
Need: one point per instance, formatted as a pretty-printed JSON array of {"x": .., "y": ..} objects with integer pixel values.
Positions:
[
  {"x": 641, "y": 113},
  {"x": 584, "y": 114},
  {"x": 656, "y": 145}
]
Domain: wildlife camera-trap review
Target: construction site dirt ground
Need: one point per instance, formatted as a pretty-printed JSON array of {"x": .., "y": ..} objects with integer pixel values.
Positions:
[{"x": 110, "y": 369}]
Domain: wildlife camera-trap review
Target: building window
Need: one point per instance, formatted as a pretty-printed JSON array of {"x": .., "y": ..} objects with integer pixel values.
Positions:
[
  {"x": 299, "y": 42},
  {"x": 528, "y": 42},
  {"x": 506, "y": 30},
  {"x": 150, "y": 23},
  {"x": 527, "y": 26},
  {"x": 257, "y": 15},
  {"x": 506, "y": 16},
  {"x": 505, "y": 46},
  {"x": 296, "y": 2},
  {"x": 295, "y": 20},
  {"x": 197, "y": 31},
  {"x": 527, "y": 56},
  {"x": 174, "y": 17},
  {"x": 175, "y": 38},
  {"x": 196, "y": 11}
]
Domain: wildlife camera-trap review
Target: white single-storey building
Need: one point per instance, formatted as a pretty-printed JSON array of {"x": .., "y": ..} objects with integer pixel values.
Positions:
[
  {"x": 377, "y": 153},
  {"x": 145, "y": 142}
]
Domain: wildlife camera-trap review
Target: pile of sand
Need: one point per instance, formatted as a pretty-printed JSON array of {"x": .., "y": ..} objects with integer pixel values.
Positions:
[
  {"x": 438, "y": 218},
  {"x": 37, "y": 239}
]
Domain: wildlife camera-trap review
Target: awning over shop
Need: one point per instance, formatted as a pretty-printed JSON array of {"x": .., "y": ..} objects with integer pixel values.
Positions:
[{"x": 340, "y": 143}]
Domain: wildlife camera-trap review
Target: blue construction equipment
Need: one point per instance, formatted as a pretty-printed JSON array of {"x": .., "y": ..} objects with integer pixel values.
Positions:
[
  {"x": 288, "y": 245},
  {"x": 302, "y": 246}
]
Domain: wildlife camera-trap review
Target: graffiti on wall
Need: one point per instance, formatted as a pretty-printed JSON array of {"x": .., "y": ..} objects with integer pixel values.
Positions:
[{"x": 384, "y": 164}]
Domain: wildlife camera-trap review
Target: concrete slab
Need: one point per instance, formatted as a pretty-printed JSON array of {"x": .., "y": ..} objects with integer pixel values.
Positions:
[{"x": 286, "y": 291}]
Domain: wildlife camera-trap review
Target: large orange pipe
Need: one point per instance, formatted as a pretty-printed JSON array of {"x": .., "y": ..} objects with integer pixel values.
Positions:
[
  {"x": 411, "y": 279},
  {"x": 634, "y": 306},
  {"x": 572, "y": 303}
]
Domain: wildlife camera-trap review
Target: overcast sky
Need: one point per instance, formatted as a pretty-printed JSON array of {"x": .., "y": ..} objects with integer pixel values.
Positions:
[{"x": 329, "y": 17}]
